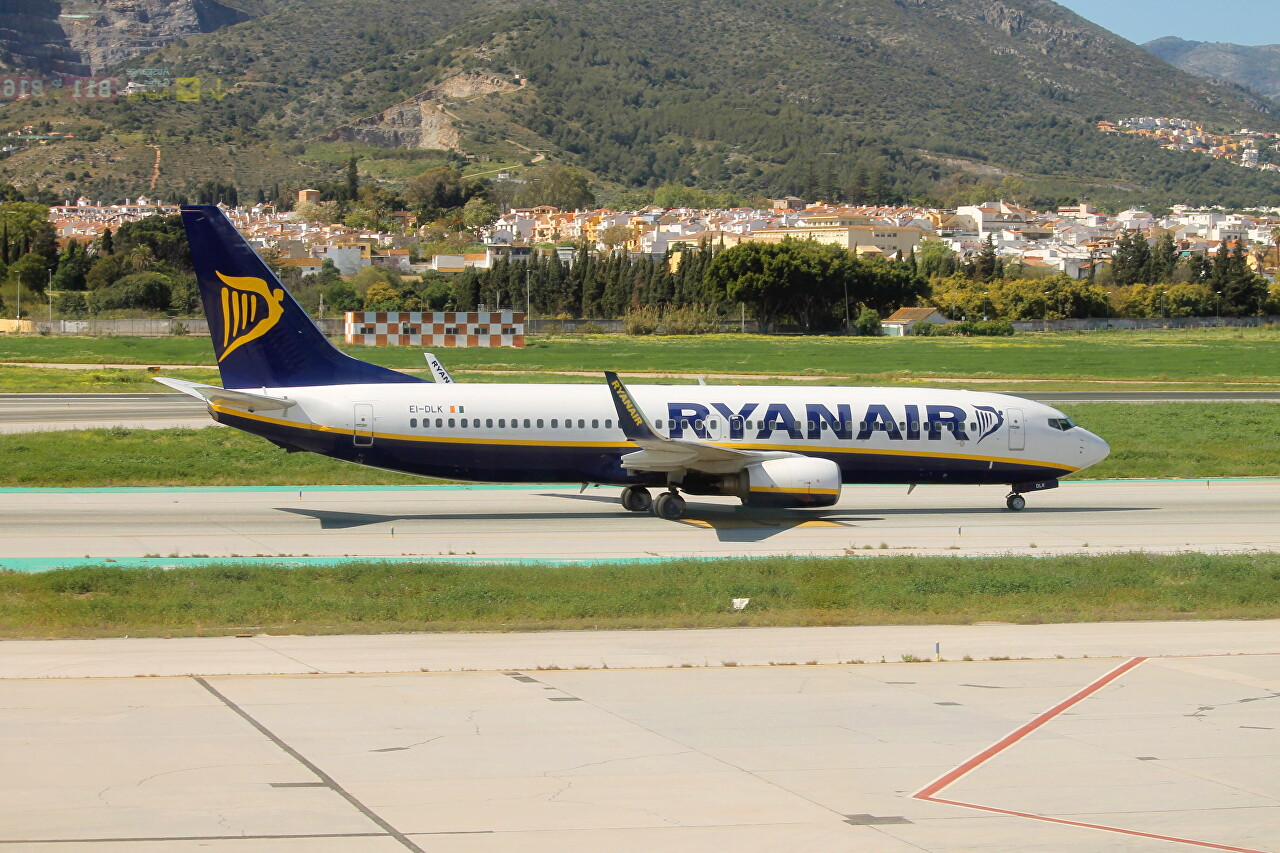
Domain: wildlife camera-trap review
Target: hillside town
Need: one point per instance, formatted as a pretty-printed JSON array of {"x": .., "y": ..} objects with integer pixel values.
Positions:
[
  {"x": 1245, "y": 147},
  {"x": 1072, "y": 240}
]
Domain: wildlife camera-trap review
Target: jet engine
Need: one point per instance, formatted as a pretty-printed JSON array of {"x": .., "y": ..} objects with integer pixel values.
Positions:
[{"x": 793, "y": 481}]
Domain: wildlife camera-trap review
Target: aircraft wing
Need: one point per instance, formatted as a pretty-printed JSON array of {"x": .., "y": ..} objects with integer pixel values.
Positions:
[
  {"x": 659, "y": 453},
  {"x": 227, "y": 396}
]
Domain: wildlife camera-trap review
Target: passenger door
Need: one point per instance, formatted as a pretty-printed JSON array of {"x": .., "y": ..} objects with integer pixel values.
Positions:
[
  {"x": 1017, "y": 430},
  {"x": 363, "y": 435}
]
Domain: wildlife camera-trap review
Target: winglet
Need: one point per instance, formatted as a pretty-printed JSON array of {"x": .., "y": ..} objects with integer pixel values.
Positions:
[
  {"x": 438, "y": 373},
  {"x": 635, "y": 426}
]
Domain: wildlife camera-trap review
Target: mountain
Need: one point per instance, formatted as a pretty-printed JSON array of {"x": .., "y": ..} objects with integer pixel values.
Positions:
[
  {"x": 1257, "y": 68},
  {"x": 80, "y": 37},
  {"x": 866, "y": 100}
]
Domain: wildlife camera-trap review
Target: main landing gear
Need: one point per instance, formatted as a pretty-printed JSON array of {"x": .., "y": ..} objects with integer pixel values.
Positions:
[
  {"x": 668, "y": 504},
  {"x": 1015, "y": 502},
  {"x": 636, "y": 499}
]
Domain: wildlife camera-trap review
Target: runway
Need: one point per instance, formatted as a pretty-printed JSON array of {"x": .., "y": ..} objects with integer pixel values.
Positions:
[
  {"x": 57, "y": 411},
  {"x": 41, "y": 527}
]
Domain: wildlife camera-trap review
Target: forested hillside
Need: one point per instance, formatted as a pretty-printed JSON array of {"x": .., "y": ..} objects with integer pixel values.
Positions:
[{"x": 858, "y": 100}]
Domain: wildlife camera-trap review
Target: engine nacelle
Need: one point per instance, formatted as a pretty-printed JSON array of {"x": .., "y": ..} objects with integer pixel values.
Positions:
[{"x": 792, "y": 482}]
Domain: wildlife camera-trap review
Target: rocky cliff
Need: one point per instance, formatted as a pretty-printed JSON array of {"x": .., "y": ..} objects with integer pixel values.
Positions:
[
  {"x": 92, "y": 36},
  {"x": 32, "y": 39}
]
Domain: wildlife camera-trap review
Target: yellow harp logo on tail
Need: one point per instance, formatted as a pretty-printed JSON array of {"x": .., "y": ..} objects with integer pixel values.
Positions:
[{"x": 250, "y": 309}]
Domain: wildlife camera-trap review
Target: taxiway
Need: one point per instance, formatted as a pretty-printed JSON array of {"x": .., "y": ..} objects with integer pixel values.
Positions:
[{"x": 41, "y": 528}]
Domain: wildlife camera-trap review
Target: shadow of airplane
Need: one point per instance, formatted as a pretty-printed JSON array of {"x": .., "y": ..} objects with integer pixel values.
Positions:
[{"x": 733, "y": 524}]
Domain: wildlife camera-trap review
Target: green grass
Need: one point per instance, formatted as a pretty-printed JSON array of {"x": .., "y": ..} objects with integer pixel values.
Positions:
[
  {"x": 1190, "y": 440},
  {"x": 171, "y": 457},
  {"x": 98, "y": 380},
  {"x": 370, "y": 597},
  {"x": 1198, "y": 355}
]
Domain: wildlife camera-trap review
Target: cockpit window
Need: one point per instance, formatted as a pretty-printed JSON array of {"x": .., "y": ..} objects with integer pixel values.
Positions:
[{"x": 1063, "y": 424}]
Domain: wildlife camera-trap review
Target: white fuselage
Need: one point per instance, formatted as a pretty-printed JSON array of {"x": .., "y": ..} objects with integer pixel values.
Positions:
[{"x": 529, "y": 433}]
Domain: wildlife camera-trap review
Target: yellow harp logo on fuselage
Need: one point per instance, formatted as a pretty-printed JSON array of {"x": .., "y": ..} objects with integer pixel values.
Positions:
[{"x": 250, "y": 309}]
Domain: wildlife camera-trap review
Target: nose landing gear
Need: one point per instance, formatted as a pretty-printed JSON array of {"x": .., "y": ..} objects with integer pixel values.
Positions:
[{"x": 1016, "y": 502}]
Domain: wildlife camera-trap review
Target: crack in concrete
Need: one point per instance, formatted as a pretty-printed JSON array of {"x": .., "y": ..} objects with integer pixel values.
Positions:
[
  {"x": 410, "y": 746},
  {"x": 614, "y": 760}
]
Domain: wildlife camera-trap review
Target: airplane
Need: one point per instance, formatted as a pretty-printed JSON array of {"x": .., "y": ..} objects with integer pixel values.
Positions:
[{"x": 770, "y": 447}]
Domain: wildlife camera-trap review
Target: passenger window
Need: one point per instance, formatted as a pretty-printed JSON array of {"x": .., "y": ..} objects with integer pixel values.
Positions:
[
  {"x": 582, "y": 424},
  {"x": 684, "y": 424},
  {"x": 413, "y": 423},
  {"x": 539, "y": 423},
  {"x": 488, "y": 423},
  {"x": 608, "y": 423},
  {"x": 526, "y": 423},
  {"x": 502, "y": 423},
  {"x": 595, "y": 424},
  {"x": 555, "y": 422},
  {"x": 451, "y": 423}
]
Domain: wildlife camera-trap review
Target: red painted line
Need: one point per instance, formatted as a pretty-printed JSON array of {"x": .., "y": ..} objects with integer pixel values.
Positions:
[
  {"x": 930, "y": 791},
  {"x": 1104, "y": 828},
  {"x": 1009, "y": 740}
]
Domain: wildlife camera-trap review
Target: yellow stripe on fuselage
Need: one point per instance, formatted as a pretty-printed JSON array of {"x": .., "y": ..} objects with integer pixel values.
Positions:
[{"x": 625, "y": 447}]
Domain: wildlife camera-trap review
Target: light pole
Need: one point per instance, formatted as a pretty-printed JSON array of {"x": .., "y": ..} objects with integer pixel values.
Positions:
[
  {"x": 49, "y": 292},
  {"x": 1046, "y": 310},
  {"x": 1162, "y": 295},
  {"x": 1217, "y": 306},
  {"x": 986, "y": 297}
]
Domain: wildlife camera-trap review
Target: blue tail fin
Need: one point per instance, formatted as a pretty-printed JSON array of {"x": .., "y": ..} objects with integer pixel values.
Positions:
[{"x": 261, "y": 336}]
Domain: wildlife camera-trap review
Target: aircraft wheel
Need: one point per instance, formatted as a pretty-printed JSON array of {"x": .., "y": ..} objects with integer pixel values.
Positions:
[
  {"x": 668, "y": 505},
  {"x": 1015, "y": 502},
  {"x": 636, "y": 499}
]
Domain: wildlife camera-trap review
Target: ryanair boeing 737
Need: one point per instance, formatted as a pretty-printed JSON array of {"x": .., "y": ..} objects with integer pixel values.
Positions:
[{"x": 767, "y": 446}]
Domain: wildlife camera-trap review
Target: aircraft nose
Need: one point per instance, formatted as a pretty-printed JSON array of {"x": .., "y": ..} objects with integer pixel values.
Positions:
[{"x": 1094, "y": 448}]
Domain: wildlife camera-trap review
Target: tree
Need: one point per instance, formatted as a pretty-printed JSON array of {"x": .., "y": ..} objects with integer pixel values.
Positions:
[
  {"x": 615, "y": 236},
  {"x": 745, "y": 273},
  {"x": 353, "y": 180},
  {"x": 986, "y": 264},
  {"x": 438, "y": 188},
  {"x": 73, "y": 266},
  {"x": 478, "y": 214},
  {"x": 146, "y": 290},
  {"x": 24, "y": 228},
  {"x": 561, "y": 187},
  {"x": 935, "y": 258},
  {"x": 340, "y": 296},
  {"x": 30, "y": 271}
]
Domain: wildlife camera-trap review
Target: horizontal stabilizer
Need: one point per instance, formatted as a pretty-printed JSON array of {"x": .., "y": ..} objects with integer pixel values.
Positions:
[{"x": 227, "y": 396}]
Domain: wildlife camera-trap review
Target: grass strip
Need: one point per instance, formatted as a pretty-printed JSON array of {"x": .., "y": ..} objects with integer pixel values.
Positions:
[
  {"x": 117, "y": 456},
  {"x": 1216, "y": 354},
  {"x": 1155, "y": 440},
  {"x": 106, "y": 380},
  {"x": 375, "y": 597},
  {"x": 101, "y": 380}
]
